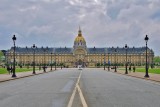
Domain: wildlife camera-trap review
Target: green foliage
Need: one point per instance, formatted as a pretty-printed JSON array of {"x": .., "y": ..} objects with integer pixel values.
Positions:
[
  {"x": 98, "y": 64},
  {"x": 2, "y": 57},
  {"x": 1, "y": 53},
  {"x": 61, "y": 64},
  {"x": 156, "y": 59}
]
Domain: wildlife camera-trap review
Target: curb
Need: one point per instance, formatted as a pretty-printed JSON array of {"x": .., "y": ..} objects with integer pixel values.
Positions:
[
  {"x": 24, "y": 76},
  {"x": 137, "y": 77}
]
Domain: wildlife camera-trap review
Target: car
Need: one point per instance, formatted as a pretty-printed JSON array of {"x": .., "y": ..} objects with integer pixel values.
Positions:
[{"x": 79, "y": 67}]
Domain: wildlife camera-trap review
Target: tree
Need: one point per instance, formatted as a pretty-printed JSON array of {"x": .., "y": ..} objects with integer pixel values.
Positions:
[
  {"x": 2, "y": 58},
  {"x": 156, "y": 60},
  {"x": 98, "y": 65}
]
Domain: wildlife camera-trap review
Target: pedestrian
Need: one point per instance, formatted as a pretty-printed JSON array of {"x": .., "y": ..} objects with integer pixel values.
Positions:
[
  {"x": 9, "y": 69},
  {"x": 44, "y": 68},
  {"x": 134, "y": 68},
  {"x": 129, "y": 68}
]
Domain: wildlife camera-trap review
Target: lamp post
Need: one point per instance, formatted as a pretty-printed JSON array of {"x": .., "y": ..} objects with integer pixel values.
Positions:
[
  {"x": 28, "y": 62},
  {"x": 115, "y": 70},
  {"x": 44, "y": 65},
  {"x": 55, "y": 61},
  {"x": 34, "y": 58},
  {"x": 104, "y": 61},
  {"x": 51, "y": 61},
  {"x": 146, "y": 39},
  {"x": 117, "y": 63},
  {"x": 14, "y": 68},
  {"x": 130, "y": 63},
  {"x": 61, "y": 61},
  {"x": 126, "y": 47},
  {"x": 108, "y": 63}
]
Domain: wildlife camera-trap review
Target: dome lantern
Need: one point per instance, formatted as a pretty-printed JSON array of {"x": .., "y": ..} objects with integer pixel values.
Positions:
[
  {"x": 79, "y": 32},
  {"x": 79, "y": 40}
]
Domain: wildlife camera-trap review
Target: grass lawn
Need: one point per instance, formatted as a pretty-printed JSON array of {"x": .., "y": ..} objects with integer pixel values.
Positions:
[
  {"x": 154, "y": 70},
  {"x": 4, "y": 70}
]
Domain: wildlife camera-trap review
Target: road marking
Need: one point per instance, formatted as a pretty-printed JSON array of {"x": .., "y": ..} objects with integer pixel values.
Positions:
[
  {"x": 72, "y": 98},
  {"x": 82, "y": 97},
  {"x": 79, "y": 92},
  {"x": 74, "y": 92}
]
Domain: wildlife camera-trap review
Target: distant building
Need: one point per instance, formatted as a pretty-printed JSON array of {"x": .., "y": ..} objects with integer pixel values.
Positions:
[{"x": 80, "y": 54}]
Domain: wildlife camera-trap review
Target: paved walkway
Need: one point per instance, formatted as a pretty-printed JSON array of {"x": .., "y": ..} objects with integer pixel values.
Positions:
[
  {"x": 153, "y": 77},
  {"x": 8, "y": 77}
]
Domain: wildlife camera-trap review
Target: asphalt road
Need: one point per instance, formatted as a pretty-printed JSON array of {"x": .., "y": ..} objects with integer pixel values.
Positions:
[
  {"x": 107, "y": 89},
  {"x": 100, "y": 89}
]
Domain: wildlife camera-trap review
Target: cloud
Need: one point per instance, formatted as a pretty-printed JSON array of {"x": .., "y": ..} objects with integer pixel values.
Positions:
[{"x": 104, "y": 23}]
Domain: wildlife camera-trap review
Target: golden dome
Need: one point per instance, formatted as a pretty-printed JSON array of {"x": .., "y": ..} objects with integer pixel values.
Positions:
[{"x": 80, "y": 37}]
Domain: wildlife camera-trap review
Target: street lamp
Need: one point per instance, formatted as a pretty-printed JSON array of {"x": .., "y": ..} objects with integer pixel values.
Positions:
[
  {"x": 146, "y": 39},
  {"x": 61, "y": 61},
  {"x": 51, "y": 61},
  {"x": 126, "y": 47},
  {"x": 130, "y": 63},
  {"x": 14, "y": 68},
  {"x": 34, "y": 58},
  {"x": 108, "y": 63},
  {"x": 115, "y": 61},
  {"x": 44, "y": 65},
  {"x": 104, "y": 61},
  {"x": 55, "y": 61}
]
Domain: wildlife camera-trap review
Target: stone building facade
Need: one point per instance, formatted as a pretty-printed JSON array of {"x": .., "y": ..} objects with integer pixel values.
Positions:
[{"x": 80, "y": 54}]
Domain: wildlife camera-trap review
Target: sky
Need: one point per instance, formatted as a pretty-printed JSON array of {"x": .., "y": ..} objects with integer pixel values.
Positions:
[{"x": 104, "y": 23}]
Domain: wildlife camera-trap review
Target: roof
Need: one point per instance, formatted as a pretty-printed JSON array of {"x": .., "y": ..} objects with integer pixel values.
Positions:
[
  {"x": 65, "y": 50},
  {"x": 129, "y": 50},
  {"x": 96, "y": 50},
  {"x": 42, "y": 50}
]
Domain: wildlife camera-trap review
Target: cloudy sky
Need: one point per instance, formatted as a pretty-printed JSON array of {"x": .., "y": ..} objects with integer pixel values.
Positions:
[{"x": 104, "y": 23}]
